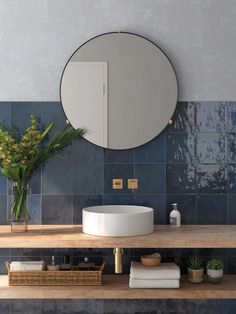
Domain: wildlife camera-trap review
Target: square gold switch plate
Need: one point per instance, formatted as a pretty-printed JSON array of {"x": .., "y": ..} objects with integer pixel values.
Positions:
[
  {"x": 132, "y": 184},
  {"x": 117, "y": 184}
]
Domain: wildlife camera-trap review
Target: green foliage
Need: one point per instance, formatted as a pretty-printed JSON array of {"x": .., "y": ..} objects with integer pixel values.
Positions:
[
  {"x": 195, "y": 262},
  {"x": 215, "y": 264},
  {"x": 21, "y": 156}
]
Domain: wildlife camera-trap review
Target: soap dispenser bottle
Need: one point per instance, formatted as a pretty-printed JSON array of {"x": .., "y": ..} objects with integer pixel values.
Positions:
[{"x": 175, "y": 217}]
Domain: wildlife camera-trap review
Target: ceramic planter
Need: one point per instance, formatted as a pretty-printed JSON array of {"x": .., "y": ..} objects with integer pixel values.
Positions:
[
  {"x": 215, "y": 275},
  {"x": 195, "y": 275}
]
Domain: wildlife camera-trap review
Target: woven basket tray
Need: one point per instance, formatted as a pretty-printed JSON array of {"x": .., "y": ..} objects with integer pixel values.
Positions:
[{"x": 74, "y": 277}]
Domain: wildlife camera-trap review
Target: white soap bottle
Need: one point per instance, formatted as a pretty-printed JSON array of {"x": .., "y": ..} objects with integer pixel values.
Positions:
[{"x": 175, "y": 217}]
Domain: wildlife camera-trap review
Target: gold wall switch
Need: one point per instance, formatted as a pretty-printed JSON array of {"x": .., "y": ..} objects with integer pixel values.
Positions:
[
  {"x": 117, "y": 184},
  {"x": 132, "y": 184}
]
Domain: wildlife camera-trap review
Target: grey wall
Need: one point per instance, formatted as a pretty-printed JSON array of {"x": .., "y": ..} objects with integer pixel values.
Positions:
[{"x": 37, "y": 38}]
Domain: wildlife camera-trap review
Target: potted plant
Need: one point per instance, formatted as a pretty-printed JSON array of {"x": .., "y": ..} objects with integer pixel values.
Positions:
[
  {"x": 195, "y": 269},
  {"x": 215, "y": 269},
  {"x": 21, "y": 155}
]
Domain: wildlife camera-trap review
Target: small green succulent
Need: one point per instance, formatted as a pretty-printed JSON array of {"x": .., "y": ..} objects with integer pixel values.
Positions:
[
  {"x": 195, "y": 262},
  {"x": 215, "y": 264}
]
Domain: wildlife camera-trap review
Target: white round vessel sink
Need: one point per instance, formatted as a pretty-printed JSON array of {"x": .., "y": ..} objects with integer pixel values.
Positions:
[{"x": 118, "y": 220}]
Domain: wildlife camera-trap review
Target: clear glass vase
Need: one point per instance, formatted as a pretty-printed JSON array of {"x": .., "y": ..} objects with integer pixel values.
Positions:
[{"x": 20, "y": 207}]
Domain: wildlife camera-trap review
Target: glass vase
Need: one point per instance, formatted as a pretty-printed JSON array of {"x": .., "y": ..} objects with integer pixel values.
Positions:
[{"x": 19, "y": 211}]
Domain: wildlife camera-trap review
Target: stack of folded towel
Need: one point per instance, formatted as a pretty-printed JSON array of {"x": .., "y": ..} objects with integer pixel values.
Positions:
[
  {"x": 166, "y": 275},
  {"x": 31, "y": 265}
]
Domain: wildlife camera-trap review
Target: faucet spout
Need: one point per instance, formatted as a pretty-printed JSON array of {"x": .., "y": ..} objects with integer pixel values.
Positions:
[{"x": 118, "y": 252}]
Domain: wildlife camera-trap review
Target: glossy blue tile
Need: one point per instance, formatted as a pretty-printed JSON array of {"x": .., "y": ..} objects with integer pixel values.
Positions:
[
  {"x": 57, "y": 251},
  {"x": 88, "y": 178},
  {"x": 36, "y": 209},
  {"x": 80, "y": 202},
  {"x": 185, "y": 252},
  {"x": 19, "y": 252},
  {"x": 151, "y": 178},
  {"x": 187, "y": 206},
  {"x": 90, "y": 252},
  {"x": 211, "y": 148},
  {"x": 57, "y": 209},
  {"x": 232, "y": 209},
  {"x": 157, "y": 202},
  {"x": 112, "y": 156},
  {"x": 232, "y": 147},
  {"x": 153, "y": 152},
  {"x": 35, "y": 182},
  {"x": 180, "y": 148},
  {"x": 55, "y": 173},
  {"x": 3, "y": 210},
  {"x": 231, "y": 179},
  {"x": 231, "y": 108},
  {"x": 5, "y": 307},
  {"x": 21, "y": 112},
  {"x": 52, "y": 112},
  {"x": 118, "y": 200},
  {"x": 83, "y": 151},
  {"x": 211, "y": 209},
  {"x": 231, "y": 252},
  {"x": 183, "y": 118},
  {"x": 232, "y": 265},
  {"x": 3, "y": 185},
  {"x": 5, "y": 113},
  {"x": 211, "y": 116},
  {"x": 113, "y": 171},
  {"x": 180, "y": 179},
  {"x": 211, "y": 179}
]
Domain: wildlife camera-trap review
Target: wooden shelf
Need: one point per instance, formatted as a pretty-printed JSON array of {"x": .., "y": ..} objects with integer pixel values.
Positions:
[
  {"x": 71, "y": 236},
  {"x": 116, "y": 287}
]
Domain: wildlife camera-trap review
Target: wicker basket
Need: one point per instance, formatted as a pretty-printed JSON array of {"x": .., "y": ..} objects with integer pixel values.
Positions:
[{"x": 74, "y": 277}]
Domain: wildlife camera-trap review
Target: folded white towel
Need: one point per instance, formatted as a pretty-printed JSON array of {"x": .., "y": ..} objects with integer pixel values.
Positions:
[
  {"x": 163, "y": 271},
  {"x": 31, "y": 265},
  {"x": 159, "y": 283}
]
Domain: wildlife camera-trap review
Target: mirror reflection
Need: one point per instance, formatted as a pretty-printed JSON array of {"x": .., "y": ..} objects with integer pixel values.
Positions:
[{"x": 121, "y": 87}]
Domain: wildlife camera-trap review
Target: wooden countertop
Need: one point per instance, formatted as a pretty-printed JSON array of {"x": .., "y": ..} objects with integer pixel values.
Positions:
[
  {"x": 71, "y": 236},
  {"x": 116, "y": 287}
]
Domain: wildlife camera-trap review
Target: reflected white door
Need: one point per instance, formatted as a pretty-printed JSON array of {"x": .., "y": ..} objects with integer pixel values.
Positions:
[{"x": 86, "y": 83}]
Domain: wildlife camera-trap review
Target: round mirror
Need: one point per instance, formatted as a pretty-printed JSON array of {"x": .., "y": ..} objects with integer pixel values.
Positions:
[{"x": 121, "y": 87}]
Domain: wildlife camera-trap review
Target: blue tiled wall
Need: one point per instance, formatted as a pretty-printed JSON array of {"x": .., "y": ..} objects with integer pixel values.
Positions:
[{"x": 192, "y": 162}]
